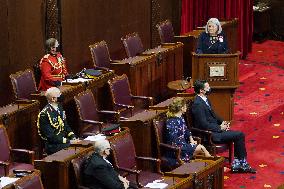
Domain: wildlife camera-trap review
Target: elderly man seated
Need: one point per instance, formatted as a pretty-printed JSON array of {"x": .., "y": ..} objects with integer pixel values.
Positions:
[
  {"x": 98, "y": 172},
  {"x": 52, "y": 124}
]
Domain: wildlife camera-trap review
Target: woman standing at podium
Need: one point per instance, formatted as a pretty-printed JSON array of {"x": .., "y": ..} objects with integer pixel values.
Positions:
[
  {"x": 213, "y": 40},
  {"x": 179, "y": 135}
]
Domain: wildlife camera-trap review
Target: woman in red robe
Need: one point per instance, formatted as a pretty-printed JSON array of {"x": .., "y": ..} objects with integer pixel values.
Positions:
[{"x": 52, "y": 66}]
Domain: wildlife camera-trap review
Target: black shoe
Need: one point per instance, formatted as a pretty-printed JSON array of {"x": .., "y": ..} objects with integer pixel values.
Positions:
[
  {"x": 248, "y": 169},
  {"x": 243, "y": 169}
]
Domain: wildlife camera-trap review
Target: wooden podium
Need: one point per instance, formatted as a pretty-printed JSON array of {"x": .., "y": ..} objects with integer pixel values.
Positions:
[{"x": 222, "y": 73}]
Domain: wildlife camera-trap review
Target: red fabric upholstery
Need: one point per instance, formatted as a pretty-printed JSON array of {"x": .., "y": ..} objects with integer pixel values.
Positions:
[
  {"x": 5, "y": 146},
  {"x": 91, "y": 118},
  {"x": 121, "y": 91},
  {"x": 166, "y": 31},
  {"x": 87, "y": 106},
  {"x": 77, "y": 167},
  {"x": 23, "y": 84},
  {"x": 132, "y": 44},
  {"x": 168, "y": 154},
  {"x": 7, "y": 165},
  {"x": 124, "y": 156},
  {"x": 100, "y": 54}
]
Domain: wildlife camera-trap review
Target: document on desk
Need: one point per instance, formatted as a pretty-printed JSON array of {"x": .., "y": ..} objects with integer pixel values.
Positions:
[
  {"x": 7, "y": 180},
  {"x": 95, "y": 137},
  {"x": 156, "y": 184},
  {"x": 78, "y": 80}
]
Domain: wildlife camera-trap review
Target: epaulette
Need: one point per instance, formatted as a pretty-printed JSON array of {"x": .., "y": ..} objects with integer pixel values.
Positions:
[
  {"x": 45, "y": 110},
  {"x": 44, "y": 57}
]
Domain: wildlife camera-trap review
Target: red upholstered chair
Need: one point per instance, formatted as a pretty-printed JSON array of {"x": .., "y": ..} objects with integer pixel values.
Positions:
[
  {"x": 77, "y": 167},
  {"x": 132, "y": 44},
  {"x": 10, "y": 159},
  {"x": 123, "y": 101},
  {"x": 100, "y": 55},
  {"x": 206, "y": 136},
  {"x": 166, "y": 31},
  {"x": 23, "y": 83},
  {"x": 92, "y": 119},
  {"x": 168, "y": 154},
  {"x": 126, "y": 161}
]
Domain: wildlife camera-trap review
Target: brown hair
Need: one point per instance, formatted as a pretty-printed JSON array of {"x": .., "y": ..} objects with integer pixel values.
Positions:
[{"x": 175, "y": 106}]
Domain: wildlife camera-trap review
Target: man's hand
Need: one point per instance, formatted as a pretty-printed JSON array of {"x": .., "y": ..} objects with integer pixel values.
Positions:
[
  {"x": 124, "y": 181},
  {"x": 75, "y": 141},
  {"x": 225, "y": 126}
]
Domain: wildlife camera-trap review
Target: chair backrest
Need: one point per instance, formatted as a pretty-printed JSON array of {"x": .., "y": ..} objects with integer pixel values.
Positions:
[
  {"x": 77, "y": 167},
  {"x": 32, "y": 181},
  {"x": 159, "y": 128},
  {"x": 86, "y": 106},
  {"x": 132, "y": 44},
  {"x": 5, "y": 144},
  {"x": 120, "y": 90},
  {"x": 188, "y": 114},
  {"x": 124, "y": 151},
  {"x": 23, "y": 84},
  {"x": 166, "y": 31},
  {"x": 100, "y": 54}
]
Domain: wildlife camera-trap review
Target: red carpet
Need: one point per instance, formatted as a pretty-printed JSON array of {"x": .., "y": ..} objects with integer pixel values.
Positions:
[{"x": 259, "y": 113}]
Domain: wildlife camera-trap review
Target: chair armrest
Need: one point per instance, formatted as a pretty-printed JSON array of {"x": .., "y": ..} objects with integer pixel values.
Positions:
[
  {"x": 152, "y": 160},
  {"x": 6, "y": 167},
  {"x": 132, "y": 171},
  {"x": 124, "y": 106},
  {"x": 22, "y": 155},
  {"x": 176, "y": 150},
  {"x": 92, "y": 122},
  {"x": 110, "y": 116},
  {"x": 99, "y": 124},
  {"x": 198, "y": 139},
  {"x": 165, "y": 44},
  {"x": 148, "y": 99}
]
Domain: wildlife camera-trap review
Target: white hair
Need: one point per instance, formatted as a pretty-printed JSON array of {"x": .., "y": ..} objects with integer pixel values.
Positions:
[
  {"x": 52, "y": 92},
  {"x": 101, "y": 145},
  {"x": 216, "y": 22}
]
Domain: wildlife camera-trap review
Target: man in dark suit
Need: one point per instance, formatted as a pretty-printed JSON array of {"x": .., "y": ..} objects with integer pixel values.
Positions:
[
  {"x": 98, "y": 172},
  {"x": 205, "y": 118}
]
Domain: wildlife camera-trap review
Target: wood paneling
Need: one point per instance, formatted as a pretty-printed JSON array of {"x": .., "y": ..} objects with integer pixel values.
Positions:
[
  {"x": 21, "y": 42},
  {"x": 85, "y": 22}
]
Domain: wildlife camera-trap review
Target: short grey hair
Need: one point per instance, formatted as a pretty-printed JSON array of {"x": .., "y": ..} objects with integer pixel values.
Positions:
[
  {"x": 52, "y": 92},
  {"x": 101, "y": 145},
  {"x": 216, "y": 22}
]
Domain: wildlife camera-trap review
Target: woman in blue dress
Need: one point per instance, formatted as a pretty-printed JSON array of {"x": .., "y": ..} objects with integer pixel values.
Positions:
[
  {"x": 179, "y": 135},
  {"x": 213, "y": 40}
]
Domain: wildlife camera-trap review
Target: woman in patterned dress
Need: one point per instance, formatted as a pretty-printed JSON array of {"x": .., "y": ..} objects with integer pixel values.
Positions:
[{"x": 179, "y": 135}]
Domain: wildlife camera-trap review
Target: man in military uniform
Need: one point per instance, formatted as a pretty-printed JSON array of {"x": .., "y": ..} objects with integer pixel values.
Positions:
[
  {"x": 52, "y": 66},
  {"x": 52, "y": 124}
]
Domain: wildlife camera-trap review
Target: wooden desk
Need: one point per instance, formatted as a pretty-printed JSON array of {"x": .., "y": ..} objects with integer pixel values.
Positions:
[
  {"x": 149, "y": 74},
  {"x": 24, "y": 179},
  {"x": 207, "y": 172},
  {"x": 99, "y": 87},
  {"x": 177, "y": 183},
  {"x": 56, "y": 168},
  {"x": 179, "y": 85},
  {"x": 20, "y": 119}
]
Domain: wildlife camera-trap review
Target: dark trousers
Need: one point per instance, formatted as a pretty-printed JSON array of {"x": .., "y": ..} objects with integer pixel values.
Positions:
[{"x": 233, "y": 136}]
